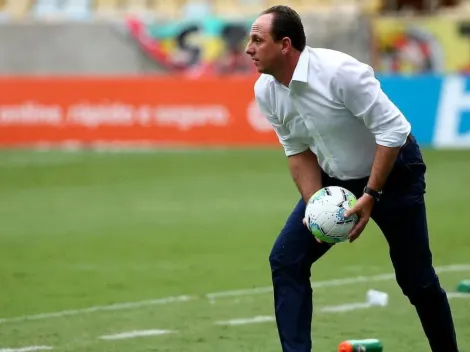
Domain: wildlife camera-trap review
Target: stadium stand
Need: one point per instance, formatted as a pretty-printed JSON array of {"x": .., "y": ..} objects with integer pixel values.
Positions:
[
  {"x": 114, "y": 9},
  {"x": 180, "y": 9}
]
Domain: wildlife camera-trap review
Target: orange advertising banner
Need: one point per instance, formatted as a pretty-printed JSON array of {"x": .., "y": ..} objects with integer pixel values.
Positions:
[{"x": 132, "y": 110}]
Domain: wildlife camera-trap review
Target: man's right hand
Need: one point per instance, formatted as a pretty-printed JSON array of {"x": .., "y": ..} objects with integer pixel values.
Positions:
[{"x": 304, "y": 221}]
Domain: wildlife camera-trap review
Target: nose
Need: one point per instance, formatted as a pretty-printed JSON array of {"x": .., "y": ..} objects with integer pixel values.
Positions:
[{"x": 249, "y": 49}]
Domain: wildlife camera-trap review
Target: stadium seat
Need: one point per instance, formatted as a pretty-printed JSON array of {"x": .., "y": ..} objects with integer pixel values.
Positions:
[
  {"x": 196, "y": 9},
  {"x": 138, "y": 7},
  {"x": 168, "y": 9},
  {"x": 242, "y": 8},
  {"x": 107, "y": 8},
  {"x": 238, "y": 8},
  {"x": 16, "y": 8},
  {"x": 371, "y": 6},
  {"x": 69, "y": 9},
  {"x": 78, "y": 9}
]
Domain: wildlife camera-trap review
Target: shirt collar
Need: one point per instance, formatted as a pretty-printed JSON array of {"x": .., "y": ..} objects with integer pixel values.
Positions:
[{"x": 301, "y": 70}]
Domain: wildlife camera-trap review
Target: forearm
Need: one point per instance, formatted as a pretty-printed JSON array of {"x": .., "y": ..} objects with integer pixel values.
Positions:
[
  {"x": 383, "y": 163},
  {"x": 306, "y": 173}
]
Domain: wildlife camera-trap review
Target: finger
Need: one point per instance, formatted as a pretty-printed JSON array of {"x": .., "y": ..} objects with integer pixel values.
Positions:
[
  {"x": 351, "y": 211},
  {"x": 304, "y": 221},
  {"x": 351, "y": 240},
  {"x": 318, "y": 240},
  {"x": 357, "y": 230}
]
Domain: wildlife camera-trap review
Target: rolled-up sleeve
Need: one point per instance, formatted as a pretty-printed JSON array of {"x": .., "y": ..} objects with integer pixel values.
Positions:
[
  {"x": 361, "y": 93},
  {"x": 291, "y": 145}
]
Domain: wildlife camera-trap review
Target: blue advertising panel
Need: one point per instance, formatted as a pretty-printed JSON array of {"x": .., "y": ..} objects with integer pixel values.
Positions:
[{"x": 438, "y": 107}]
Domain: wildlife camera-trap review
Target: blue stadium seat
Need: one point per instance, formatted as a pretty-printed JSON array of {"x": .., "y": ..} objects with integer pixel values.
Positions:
[{"x": 66, "y": 9}]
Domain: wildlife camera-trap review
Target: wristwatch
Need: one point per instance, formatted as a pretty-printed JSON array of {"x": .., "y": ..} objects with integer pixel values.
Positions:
[{"x": 375, "y": 194}]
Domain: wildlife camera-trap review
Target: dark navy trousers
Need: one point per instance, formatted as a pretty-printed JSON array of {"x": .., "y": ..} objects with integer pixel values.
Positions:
[{"x": 401, "y": 216}]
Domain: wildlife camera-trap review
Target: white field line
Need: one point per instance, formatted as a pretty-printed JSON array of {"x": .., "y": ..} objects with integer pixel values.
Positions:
[
  {"x": 335, "y": 282},
  {"x": 112, "y": 307},
  {"x": 223, "y": 294},
  {"x": 134, "y": 334},
  {"x": 244, "y": 321},
  {"x": 326, "y": 309},
  {"x": 346, "y": 307},
  {"x": 341, "y": 308},
  {"x": 27, "y": 349},
  {"x": 452, "y": 295}
]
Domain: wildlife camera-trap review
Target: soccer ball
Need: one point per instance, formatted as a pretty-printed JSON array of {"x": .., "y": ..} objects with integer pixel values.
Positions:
[{"x": 324, "y": 214}]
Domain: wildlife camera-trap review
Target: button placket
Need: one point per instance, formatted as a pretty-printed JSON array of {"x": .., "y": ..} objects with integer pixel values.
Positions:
[{"x": 310, "y": 125}]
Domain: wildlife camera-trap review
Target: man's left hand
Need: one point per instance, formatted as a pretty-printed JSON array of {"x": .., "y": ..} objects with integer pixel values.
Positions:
[{"x": 363, "y": 209}]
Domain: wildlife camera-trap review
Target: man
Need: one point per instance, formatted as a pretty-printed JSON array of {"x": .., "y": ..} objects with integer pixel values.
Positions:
[{"x": 337, "y": 127}]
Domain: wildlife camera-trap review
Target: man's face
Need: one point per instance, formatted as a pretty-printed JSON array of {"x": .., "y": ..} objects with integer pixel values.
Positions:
[{"x": 265, "y": 53}]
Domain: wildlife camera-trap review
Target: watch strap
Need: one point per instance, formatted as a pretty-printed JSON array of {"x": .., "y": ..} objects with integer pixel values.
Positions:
[{"x": 372, "y": 192}]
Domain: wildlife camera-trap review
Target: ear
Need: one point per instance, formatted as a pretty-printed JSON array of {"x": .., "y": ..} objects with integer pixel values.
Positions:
[{"x": 286, "y": 45}]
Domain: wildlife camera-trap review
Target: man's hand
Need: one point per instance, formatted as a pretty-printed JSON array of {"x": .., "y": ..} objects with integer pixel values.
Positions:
[
  {"x": 363, "y": 209},
  {"x": 304, "y": 221},
  {"x": 384, "y": 160}
]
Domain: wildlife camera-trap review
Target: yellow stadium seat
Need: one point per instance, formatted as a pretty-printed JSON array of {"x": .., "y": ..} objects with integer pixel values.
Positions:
[
  {"x": 236, "y": 8},
  {"x": 101, "y": 5},
  {"x": 108, "y": 7},
  {"x": 17, "y": 8},
  {"x": 136, "y": 5},
  {"x": 167, "y": 8},
  {"x": 291, "y": 3},
  {"x": 370, "y": 7},
  {"x": 254, "y": 8},
  {"x": 225, "y": 7},
  {"x": 303, "y": 6}
]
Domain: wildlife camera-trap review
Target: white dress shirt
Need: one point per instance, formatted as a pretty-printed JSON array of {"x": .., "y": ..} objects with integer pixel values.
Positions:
[{"x": 335, "y": 107}]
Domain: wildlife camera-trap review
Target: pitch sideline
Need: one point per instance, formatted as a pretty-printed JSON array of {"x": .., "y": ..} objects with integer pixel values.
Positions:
[{"x": 216, "y": 295}]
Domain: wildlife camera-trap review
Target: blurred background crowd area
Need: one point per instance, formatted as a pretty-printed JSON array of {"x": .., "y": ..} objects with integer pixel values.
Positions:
[
  {"x": 180, "y": 9},
  {"x": 207, "y": 37}
]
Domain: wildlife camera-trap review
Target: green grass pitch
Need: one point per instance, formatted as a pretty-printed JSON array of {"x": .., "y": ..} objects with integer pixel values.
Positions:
[{"x": 88, "y": 229}]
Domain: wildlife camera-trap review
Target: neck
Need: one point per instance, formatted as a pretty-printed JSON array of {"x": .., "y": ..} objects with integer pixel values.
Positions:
[{"x": 285, "y": 73}]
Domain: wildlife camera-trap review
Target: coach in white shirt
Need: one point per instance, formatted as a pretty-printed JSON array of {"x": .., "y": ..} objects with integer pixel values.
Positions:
[{"x": 338, "y": 127}]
